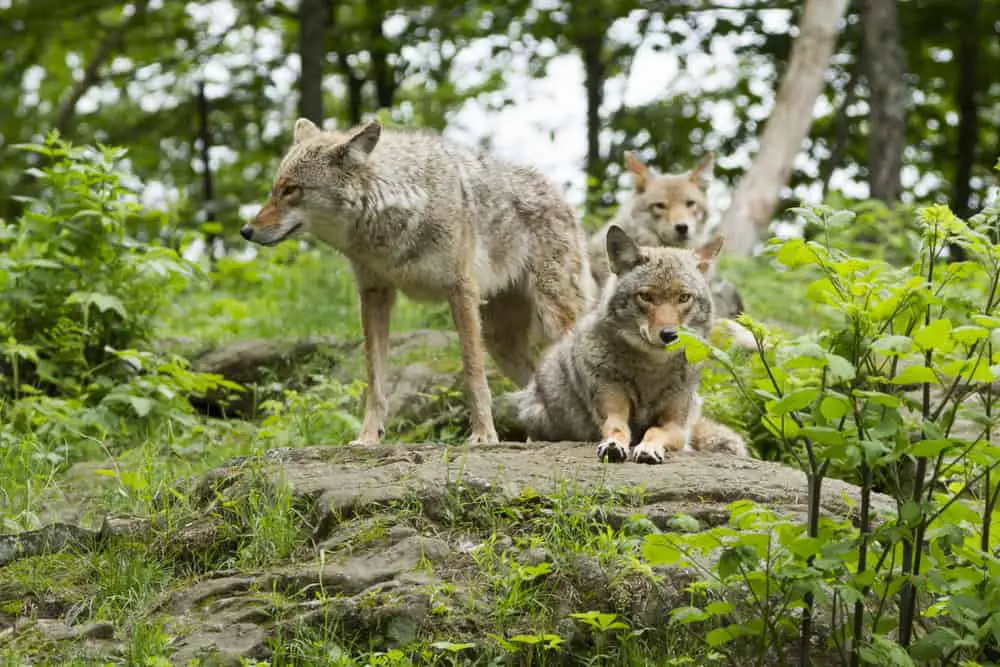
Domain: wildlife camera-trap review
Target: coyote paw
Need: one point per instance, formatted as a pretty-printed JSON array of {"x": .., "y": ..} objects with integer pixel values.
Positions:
[
  {"x": 611, "y": 449},
  {"x": 367, "y": 437},
  {"x": 483, "y": 437},
  {"x": 648, "y": 453}
]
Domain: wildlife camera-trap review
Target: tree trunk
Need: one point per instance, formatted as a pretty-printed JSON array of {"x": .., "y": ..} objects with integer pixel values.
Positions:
[
  {"x": 312, "y": 25},
  {"x": 385, "y": 78},
  {"x": 885, "y": 69},
  {"x": 592, "y": 47},
  {"x": 208, "y": 188},
  {"x": 968, "y": 112},
  {"x": 757, "y": 195}
]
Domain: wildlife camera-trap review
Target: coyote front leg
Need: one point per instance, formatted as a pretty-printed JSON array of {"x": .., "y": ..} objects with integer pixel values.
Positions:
[
  {"x": 670, "y": 434},
  {"x": 376, "y": 310},
  {"x": 463, "y": 299},
  {"x": 613, "y": 408}
]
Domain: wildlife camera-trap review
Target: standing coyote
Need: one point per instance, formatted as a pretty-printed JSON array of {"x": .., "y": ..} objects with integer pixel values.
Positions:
[
  {"x": 419, "y": 214},
  {"x": 611, "y": 380},
  {"x": 663, "y": 210}
]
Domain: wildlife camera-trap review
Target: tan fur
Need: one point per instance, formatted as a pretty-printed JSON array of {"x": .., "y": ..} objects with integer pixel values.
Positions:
[
  {"x": 611, "y": 380},
  {"x": 415, "y": 213},
  {"x": 657, "y": 204},
  {"x": 662, "y": 210}
]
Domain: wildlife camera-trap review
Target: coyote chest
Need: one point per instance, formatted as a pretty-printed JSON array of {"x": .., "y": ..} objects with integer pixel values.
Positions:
[{"x": 659, "y": 387}]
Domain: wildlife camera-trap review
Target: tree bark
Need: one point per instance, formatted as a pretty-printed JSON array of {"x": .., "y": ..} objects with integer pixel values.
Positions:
[
  {"x": 591, "y": 48},
  {"x": 312, "y": 26},
  {"x": 885, "y": 70},
  {"x": 757, "y": 194},
  {"x": 968, "y": 111},
  {"x": 208, "y": 187},
  {"x": 382, "y": 73}
]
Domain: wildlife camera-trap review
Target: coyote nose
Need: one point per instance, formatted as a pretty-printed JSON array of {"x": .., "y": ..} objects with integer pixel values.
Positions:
[
  {"x": 246, "y": 232},
  {"x": 681, "y": 228},
  {"x": 668, "y": 336}
]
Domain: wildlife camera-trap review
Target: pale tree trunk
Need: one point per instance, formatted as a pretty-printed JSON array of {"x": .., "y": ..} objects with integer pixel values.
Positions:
[
  {"x": 757, "y": 194},
  {"x": 885, "y": 70}
]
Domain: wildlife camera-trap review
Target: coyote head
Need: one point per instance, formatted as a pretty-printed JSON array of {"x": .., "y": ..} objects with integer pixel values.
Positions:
[
  {"x": 673, "y": 207},
  {"x": 659, "y": 289},
  {"x": 321, "y": 178}
]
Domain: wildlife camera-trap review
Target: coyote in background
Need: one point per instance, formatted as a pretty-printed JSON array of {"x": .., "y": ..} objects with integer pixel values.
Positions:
[
  {"x": 414, "y": 212},
  {"x": 662, "y": 210},
  {"x": 671, "y": 210},
  {"x": 611, "y": 380}
]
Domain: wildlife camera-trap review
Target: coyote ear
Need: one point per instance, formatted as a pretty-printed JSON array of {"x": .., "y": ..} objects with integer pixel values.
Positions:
[
  {"x": 304, "y": 128},
  {"x": 360, "y": 146},
  {"x": 623, "y": 253},
  {"x": 638, "y": 169},
  {"x": 702, "y": 172},
  {"x": 708, "y": 251}
]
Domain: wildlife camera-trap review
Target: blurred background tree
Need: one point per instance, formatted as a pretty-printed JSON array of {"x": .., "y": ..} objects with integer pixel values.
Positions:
[{"x": 203, "y": 94}]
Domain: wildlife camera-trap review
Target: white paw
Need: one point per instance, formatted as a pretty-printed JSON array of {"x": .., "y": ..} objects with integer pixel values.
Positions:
[
  {"x": 369, "y": 437},
  {"x": 647, "y": 453},
  {"x": 612, "y": 450},
  {"x": 483, "y": 437}
]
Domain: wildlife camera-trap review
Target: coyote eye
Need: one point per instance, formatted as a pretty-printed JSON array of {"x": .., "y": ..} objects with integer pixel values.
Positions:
[
  {"x": 658, "y": 206},
  {"x": 684, "y": 298},
  {"x": 690, "y": 203},
  {"x": 289, "y": 190},
  {"x": 644, "y": 298}
]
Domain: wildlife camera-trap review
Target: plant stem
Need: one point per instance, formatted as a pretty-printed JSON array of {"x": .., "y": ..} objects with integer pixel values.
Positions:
[{"x": 912, "y": 548}]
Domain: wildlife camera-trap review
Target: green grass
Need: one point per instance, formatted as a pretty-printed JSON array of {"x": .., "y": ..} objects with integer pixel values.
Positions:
[{"x": 284, "y": 293}]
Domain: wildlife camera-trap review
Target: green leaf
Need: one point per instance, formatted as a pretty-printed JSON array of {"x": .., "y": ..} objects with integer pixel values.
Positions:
[
  {"x": 973, "y": 370},
  {"x": 910, "y": 511},
  {"x": 660, "y": 550},
  {"x": 878, "y": 398},
  {"x": 140, "y": 405},
  {"x": 792, "y": 401},
  {"x": 893, "y": 345},
  {"x": 916, "y": 374},
  {"x": 834, "y": 407},
  {"x": 720, "y": 636},
  {"x": 794, "y": 253},
  {"x": 934, "y": 336},
  {"x": 824, "y": 435},
  {"x": 719, "y": 608},
  {"x": 687, "y": 615},
  {"x": 841, "y": 370},
  {"x": 969, "y": 334},
  {"x": 929, "y": 448},
  {"x": 103, "y": 302}
]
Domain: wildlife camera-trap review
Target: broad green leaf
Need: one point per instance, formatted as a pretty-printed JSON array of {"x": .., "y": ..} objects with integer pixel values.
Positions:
[
  {"x": 841, "y": 370},
  {"x": 660, "y": 550},
  {"x": 969, "y": 334},
  {"x": 934, "y": 336},
  {"x": 720, "y": 636},
  {"x": 916, "y": 374},
  {"x": 834, "y": 407},
  {"x": 893, "y": 345},
  {"x": 930, "y": 448},
  {"x": 687, "y": 615},
  {"x": 793, "y": 401}
]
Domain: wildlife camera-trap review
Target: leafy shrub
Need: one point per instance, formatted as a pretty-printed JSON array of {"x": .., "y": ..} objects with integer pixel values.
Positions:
[
  {"x": 76, "y": 287},
  {"x": 897, "y": 393}
]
